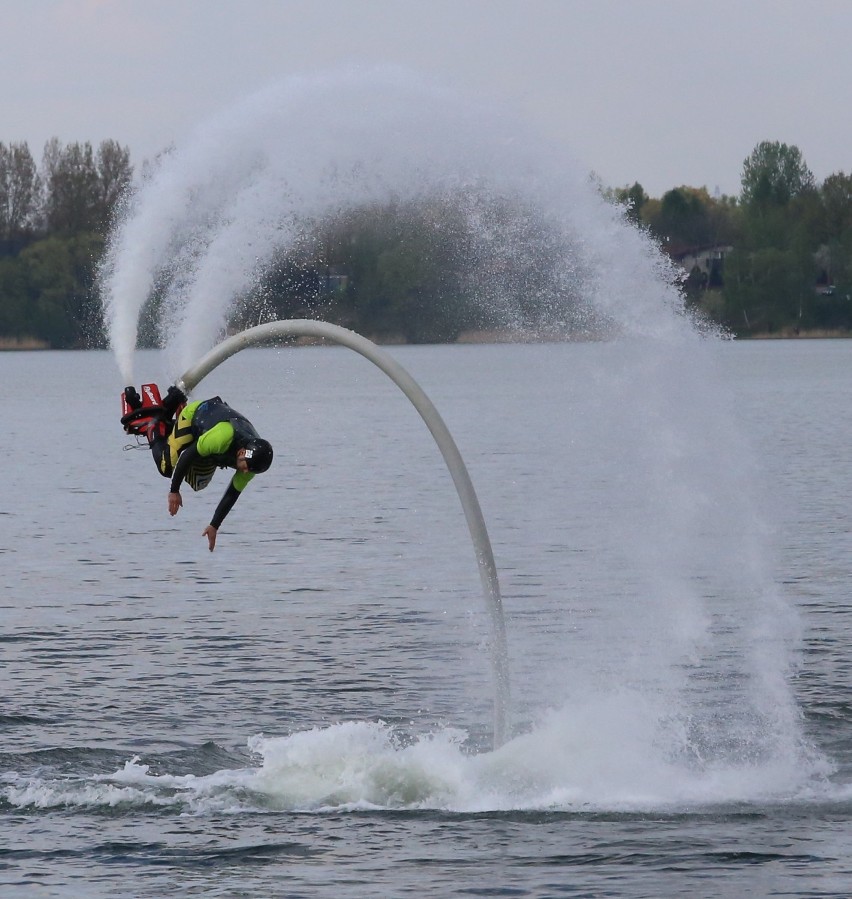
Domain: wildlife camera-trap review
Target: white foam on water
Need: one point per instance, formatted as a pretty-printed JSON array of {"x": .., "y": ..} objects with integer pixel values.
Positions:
[{"x": 601, "y": 758}]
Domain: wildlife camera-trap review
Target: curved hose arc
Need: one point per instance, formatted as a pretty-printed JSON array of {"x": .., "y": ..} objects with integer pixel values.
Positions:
[{"x": 464, "y": 486}]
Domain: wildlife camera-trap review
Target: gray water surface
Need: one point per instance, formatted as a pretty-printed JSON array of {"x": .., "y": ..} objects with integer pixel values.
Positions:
[{"x": 307, "y": 711}]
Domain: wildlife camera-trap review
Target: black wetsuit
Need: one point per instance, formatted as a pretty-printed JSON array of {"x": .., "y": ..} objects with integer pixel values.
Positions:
[{"x": 206, "y": 436}]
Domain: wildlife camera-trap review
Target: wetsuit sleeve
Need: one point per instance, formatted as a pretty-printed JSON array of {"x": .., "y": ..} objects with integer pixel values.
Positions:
[
  {"x": 230, "y": 496},
  {"x": 217, "y": 440},
  {"x": 184, "y": 461}
]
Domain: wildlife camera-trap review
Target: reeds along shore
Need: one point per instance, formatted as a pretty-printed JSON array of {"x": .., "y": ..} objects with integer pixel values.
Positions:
[{"x": 23, "y": 343}]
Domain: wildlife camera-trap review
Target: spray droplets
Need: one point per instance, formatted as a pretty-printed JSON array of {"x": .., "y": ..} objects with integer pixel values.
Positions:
[{"x": 534, "y": 246}]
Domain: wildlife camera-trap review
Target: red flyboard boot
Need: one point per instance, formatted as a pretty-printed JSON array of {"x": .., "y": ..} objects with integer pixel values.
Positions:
[
  {"x": 139, "y": 412},
  {"x": 130, "y": 401}
]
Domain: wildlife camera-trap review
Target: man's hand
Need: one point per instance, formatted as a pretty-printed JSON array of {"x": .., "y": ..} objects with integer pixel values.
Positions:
[
  {"x": 210, "y": 533},
  {"x": 175, "y": 502}
]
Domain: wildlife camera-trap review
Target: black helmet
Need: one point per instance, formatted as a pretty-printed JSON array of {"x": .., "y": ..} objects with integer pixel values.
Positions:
[{"x": 258, "y": 454}]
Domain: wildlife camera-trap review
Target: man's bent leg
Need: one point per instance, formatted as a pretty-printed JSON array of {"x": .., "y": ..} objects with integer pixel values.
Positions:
[{"x": 158, "y": 440}]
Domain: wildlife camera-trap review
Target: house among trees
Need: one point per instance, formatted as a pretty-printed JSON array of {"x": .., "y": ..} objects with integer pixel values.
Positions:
[{"x": 703, "y": 264}]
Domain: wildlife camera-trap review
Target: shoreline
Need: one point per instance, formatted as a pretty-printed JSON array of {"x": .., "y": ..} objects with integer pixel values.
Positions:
[
  {"x": 14, "y": 344},
  {"x": 30, "y": 344},
  {"x": 791, "y": 334}
]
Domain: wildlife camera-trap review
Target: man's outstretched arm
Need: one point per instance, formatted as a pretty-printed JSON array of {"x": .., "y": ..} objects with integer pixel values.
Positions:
[{"x": 230, "y": 496}]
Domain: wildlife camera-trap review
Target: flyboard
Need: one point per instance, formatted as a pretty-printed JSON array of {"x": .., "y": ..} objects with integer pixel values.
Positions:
[
  {"x": 278, "y": 330},
  {"x": 135, "y": 406},
  {"x": 139, "y": 411}
]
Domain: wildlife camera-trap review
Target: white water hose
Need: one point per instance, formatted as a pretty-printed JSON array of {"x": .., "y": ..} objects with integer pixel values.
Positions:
[{"x": 277, "y": 330}]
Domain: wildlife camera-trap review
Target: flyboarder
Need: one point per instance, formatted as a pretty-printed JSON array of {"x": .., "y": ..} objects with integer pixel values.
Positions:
[{"x": 189, "y": 441}]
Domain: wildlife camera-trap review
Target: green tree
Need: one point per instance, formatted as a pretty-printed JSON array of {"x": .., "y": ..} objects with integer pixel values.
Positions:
[
  {"x": 767, "y": 289},
  {"x": 52, "y": 232},
  {"x": 389, "y": 269},
  {"x": 19, "y": 193},
  {"x": 836, "y": 193},
  {"x": 633, "y": 198},
  {"x": 82, "y": 187},
  {"x": 58, "y": 282},
  {"x": 689, "y": 217},
  {"x": 774, "y": 174},
  {"x": 770, "y": 277},
  {"x": 71, "y": 187},
  {"x": 835, "y": 252},
  {"x": 683, "y": 217},
  {"x": 14, "y": 299},
  {"x": 833, "y": 305}
]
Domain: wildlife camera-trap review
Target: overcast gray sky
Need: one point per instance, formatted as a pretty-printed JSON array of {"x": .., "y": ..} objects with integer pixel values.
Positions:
[{"x": 664, "y": 92}]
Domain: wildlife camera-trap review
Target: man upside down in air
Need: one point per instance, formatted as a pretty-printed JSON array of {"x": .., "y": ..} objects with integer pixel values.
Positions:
[{"x": 189, "y": 441}]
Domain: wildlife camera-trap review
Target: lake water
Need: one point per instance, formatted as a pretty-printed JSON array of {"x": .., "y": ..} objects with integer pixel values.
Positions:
[{"x": 308, "y": 710}]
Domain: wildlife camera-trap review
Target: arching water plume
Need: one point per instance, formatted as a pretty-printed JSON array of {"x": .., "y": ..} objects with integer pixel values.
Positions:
[
  {"x": 204, "y": 227},
  {"x": 700, "y": 654}
]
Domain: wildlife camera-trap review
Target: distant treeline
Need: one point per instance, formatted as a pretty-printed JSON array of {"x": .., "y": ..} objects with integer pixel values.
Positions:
[
  {"x": 775, "y": 259},
  {"x": 53, "y": 222},
  {"x": 781, "y": 252}
]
